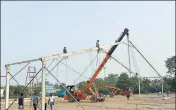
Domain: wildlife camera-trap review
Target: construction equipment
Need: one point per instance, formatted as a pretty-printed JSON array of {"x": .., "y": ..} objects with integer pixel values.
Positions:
[
  {"x": 61, "y": 93},
  {"x": 114, "y": 89},
  {"x": 96, "y": 97}
]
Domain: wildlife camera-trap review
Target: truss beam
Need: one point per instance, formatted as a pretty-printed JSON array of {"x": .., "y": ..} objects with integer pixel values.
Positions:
[
  {"x": 27, "y": 61},
  {"x": 56, "y": 56}
]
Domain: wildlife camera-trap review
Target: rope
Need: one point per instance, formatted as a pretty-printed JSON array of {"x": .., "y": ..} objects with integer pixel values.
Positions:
[
  {"x": 120, "y": 63},
  {"x": 66, "y": 71},
  {"x": 137, "y": 68},
  {"x": 129, "y": 56},
  {"x": 124, "y": 66},
  {"x": 149, "y": 64},
  {"x": 146, "y": 60},
  {"x": 104, "y": 69},
  {"x": 134, "y": 61},
  {"x": 87, "y": 67},
  {"x": 55, "y": 66},
  {"x": 98, "y": 62},
  {"x": 74, "y": 70},
  {"x": 92, "y": 64},
  {"x": 97, "y": 59}
]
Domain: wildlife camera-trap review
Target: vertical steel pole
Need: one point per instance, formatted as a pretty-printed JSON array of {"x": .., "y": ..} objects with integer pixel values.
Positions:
[
  {"x": 7, "y": 86},
  {"x": 139, "y": 85},
  {"x": 43, "y": 83}
]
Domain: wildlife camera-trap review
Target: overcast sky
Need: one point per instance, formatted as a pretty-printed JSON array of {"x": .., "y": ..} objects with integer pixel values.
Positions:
[{"x": 35, "y": 29}]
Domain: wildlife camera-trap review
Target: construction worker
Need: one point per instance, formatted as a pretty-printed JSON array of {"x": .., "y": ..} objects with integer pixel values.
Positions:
[
  {"x": 45, "y": 102},
  {"x": 51, "y": 101},
  {"x": 21, "y": 102},
  {"x": 167, "y": 90},
  {"x": 127, "y": 92},
  {"x": 65, "y": 51},
  {"x": 35, "y": 99},
  {"x": 98, "y": 46}
]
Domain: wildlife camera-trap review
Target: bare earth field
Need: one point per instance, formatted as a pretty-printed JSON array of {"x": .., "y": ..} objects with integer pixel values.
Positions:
[{"x": 145, "y": 102}]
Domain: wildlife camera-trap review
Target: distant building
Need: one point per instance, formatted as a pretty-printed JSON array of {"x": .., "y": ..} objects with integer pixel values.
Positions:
[{"x": 49, "y": 89}]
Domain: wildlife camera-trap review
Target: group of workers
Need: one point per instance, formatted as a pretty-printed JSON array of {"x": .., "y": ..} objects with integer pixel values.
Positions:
[
  {"x": 97, "y": 45},
  {"x": 35, "y": 100}
]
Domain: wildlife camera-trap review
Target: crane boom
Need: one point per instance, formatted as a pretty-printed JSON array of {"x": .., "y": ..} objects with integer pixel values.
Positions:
[
  {"x": 106, "y": 58},
  {"x": 81, "y": 94}
]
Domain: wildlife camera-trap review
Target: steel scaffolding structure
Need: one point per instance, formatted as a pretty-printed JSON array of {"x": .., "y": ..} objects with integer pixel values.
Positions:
[{"x": 44, "y": 60}]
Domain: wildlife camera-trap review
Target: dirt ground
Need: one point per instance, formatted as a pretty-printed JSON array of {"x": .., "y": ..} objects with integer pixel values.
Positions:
[{"x": 144, "y": 102}]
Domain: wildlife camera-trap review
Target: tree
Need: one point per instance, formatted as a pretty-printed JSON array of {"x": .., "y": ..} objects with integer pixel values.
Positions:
[
  {"x": 61, "y": 86},
  {"x": 123, "y": 76},
  {"x": 14, "y": 91},
  {"x": 81, "y": 84},
  {"x": 155, "y": 85},
  {"x": 111, "y": 79},
  {"x": 56, "y": 86},
  {"x": 133, "y": 84},
  {"x": 99, "y": 81},
  {"x": 145, "y": 85},
  {"x": 37, "y": 89},
  {"x": 46, "y": 83},
  {"x": 123, "y": 81},
  {"x": 170, "y": 65}
]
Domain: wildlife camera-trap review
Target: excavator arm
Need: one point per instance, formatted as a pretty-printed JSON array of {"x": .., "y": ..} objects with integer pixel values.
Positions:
[
  {"x": 114, "y": 89},
  {"x": 107, "y": 86}
]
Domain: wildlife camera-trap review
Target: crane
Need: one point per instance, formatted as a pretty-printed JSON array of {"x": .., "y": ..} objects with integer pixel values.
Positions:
[
  {"x": 82, "y": 93},
  {"x": 114, "y": 89}
]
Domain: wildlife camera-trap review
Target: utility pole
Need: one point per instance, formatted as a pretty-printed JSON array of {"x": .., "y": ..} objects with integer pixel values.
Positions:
[
  {"x": 43, "y": 83},
  {"x": 139, "y": 81}
]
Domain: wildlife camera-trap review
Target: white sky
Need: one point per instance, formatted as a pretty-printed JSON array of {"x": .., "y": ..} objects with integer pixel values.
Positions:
[{"x": 36, "y": 29}]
